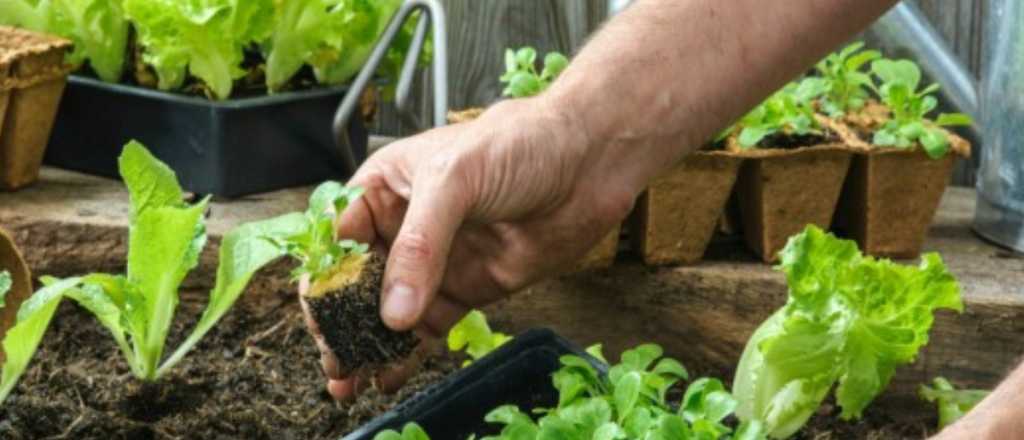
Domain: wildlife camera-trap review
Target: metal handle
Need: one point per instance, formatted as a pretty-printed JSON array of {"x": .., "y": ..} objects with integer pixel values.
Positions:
[{"x": 431, "y": 16}]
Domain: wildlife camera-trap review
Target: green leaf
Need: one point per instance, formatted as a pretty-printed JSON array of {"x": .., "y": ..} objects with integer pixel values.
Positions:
[
  {"x": 161, "y": 251},
  {"x": 903, "y": 72},
  {"x": 523, "y": 84},
  {"x": 951, "y": 402},
  {"x": 627, "y": 393},
  {"x": 243, "y": 252},
  {"x": 954, "y": 119},
  {"x": 850, "y": 320},
  {"x": 596, "y": 351},
  {"x": 671, "y": 367},
  {"x": 151, "y": 184},
  {"x": 750, "y": 430},
  {"x": 751, "y": 136},
  {"x": 526, "y": 57},
  {"x": 474, "y": 335},
  {"x": 609, "y": 431},
  {"x": 22, "y": 340},
  {"x": 5, "y": 286},
  {"x": 935, "y": 143},
  {"x": 554, "y": 64}
]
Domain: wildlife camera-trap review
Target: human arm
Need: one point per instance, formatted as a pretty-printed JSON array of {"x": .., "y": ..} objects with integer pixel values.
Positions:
[{"x": 473, "y": 212}]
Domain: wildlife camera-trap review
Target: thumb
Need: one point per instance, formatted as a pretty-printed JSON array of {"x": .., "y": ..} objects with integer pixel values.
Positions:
[{"x": 419, "y": 253}]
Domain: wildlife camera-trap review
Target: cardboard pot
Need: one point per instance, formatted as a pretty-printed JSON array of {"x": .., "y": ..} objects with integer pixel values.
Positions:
[
  {"x": 891, "y": 196},
  {"x": 780, "y": 192},
  {"x": 21, "y": 286},
  {"x": 603, "y": 254},
  {"x": 32, "y": 79},
  {"x": 678, "y": 214}
]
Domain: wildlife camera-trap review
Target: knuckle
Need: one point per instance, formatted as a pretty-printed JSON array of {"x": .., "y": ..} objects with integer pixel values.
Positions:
[{"x": 412, "y": 246}]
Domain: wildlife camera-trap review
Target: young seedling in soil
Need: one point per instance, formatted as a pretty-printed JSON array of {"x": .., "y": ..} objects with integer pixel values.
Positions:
[
  {"x": 909, "y": 124},
  {"x": 951, "y": 402},
  {"x": 521, "y": 78},
  {"x": 850, "y": 319},
  {"x": 848, "y": 87},
  {"x": 345, "y": 281},
  {"x": 474, "y": 335},
  {"x": 5, "y": 285},
  {"x": 166, "y": 236},
  {"x": 630, "y": 402},
  {"x": 786, "y": 119}
]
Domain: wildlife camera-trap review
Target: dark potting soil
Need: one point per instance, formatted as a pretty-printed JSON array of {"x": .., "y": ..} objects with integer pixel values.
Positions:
[
  {"x": 793, "y": 141},
  {"x": 350, "y": 322},
  {"x": 255, "y": 376}
]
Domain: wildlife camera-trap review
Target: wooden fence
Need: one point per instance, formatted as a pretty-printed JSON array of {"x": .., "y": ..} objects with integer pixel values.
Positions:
[{"x": 480, "y": 30}]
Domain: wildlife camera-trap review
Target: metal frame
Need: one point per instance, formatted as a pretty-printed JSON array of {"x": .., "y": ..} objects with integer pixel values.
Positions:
[{"x": 432, "y": 17}]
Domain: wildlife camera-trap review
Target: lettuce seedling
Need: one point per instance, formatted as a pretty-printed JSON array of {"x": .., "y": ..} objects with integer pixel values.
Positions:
[
  {"x": 910, "y": 107},
  {"x": 475, "y": 336},
  {"x": 789, "y": 111},
  {"x": 850, "y": 319},
  {"x": 627, "y": 403},
  {"x": 847, "y": 86},
  {"x": 521, "y": 78},
  {"x": 166, "y": 236},
  {"x": 97, "y": 28},
  {"x": 952, "y": 403}
]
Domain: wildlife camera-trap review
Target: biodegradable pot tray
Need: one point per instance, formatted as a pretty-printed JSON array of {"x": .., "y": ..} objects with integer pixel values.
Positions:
[
  {"x": 780, "y": 192},
  {"x": 227, "y": 148},
  {"x": 21, "y": 285},
  {"x": 518, "y": 372},
  {"x": 891, "y": 196},
  {"x": 603, "y": 254},
  {"x": 32, "y": 79},
  {"x": 677, "y": 215}
]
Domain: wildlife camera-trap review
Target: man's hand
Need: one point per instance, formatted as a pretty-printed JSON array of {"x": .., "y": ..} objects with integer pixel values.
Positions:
[{"x": 472, "y": 212}]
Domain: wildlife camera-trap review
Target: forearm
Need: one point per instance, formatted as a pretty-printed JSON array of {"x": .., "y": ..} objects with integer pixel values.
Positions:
[
  {"x": 999, "y": 416},
  {"x": 665, "y": 76}
]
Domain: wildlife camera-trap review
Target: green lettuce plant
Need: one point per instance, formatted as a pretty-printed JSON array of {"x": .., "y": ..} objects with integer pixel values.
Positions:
[
  {"x": 97, "y": 28},
  {"x": 5, "y": 286},
  {"x": 630, "y": 402},
  {"x": 166, "y": 236},
  {"x": 521, "y": 78},
  {"x": 473, "y": 335},
  {"x": 910, "y": 106},
  {"x": 850, "y": 320},
  {"x": 952, "y": 403},
  {"x": 848, "y": 87},
  {"x": 789, "y": 111}
]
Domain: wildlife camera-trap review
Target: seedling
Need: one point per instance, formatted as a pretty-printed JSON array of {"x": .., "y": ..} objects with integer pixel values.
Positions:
[
  {"x": 910, "y": 107},
  {"x": 166, "y": 236},
  {"x": 521, "y": 78},
  {"x": 344, "y": 283},
  {"x": 850, "y": 319},
  {"x": 848, "y": 87},
  {"x": 475, "y": 336},
  {"x": 788, "y": 112},
  {"x": 952, "y": 403},
  {"x": 629, "y": 403}
]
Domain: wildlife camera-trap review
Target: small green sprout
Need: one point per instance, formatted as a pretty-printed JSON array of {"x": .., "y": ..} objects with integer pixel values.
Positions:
[{"x": 521, "y": 78}]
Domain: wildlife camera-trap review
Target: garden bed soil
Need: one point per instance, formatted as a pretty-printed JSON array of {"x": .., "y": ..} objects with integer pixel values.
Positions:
[
  {"x": 255, "y": 376},
  {"x": 32, "y": 80},
  {"x": 677, "y": 215},
  {"x": 782, "y": 190},
  {"x": 891, "y": 195}
]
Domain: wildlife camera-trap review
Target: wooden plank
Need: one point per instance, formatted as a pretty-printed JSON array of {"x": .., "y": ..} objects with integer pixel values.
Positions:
[{"x": 70, "y": 223}]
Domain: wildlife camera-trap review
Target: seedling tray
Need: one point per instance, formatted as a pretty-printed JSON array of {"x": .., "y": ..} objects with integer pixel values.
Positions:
[
  {"x": 226, "y": 148},
  {"x": 518, "y": 373}
]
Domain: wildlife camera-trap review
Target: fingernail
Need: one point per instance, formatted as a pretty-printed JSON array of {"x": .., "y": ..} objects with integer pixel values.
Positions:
[{"x": 399, "y": 305}]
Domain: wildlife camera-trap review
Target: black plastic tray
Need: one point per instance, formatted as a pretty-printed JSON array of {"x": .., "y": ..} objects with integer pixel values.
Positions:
[
  {"x": 517, "y": 373},
  {"x": 226, "y": 148}
]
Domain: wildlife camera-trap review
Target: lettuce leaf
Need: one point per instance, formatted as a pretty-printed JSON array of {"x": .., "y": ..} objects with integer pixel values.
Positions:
[
  {"x": 204, "y": 38},
  {"x": 5, "y": 286},
  {"x": 952, "y": 403},
  {"x": 850, "y": 319},
  {"x": 97, "y": 28},
  {"x": 22, "y": 340}
]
